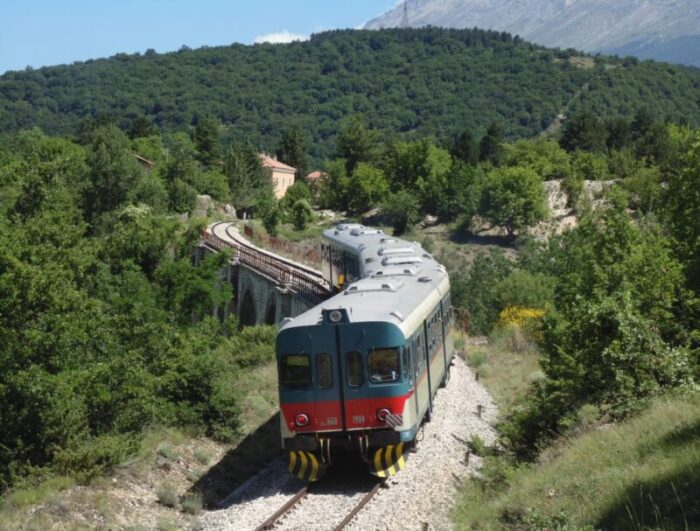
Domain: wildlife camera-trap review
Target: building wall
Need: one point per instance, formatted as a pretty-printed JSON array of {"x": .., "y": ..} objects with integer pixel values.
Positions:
[{"x": 282, "y": 180}]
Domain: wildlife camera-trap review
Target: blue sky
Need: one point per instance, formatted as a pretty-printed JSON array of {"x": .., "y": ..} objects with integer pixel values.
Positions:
[{"x": 49, "y": 32}]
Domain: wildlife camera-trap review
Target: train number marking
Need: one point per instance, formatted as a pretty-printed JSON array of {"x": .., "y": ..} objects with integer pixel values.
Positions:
[
  {"x": 358, "y": 419},
  {"x": 330, "y": 421}
]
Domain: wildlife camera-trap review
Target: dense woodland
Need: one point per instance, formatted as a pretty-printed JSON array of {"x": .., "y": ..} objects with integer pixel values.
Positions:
[
  {"x": 107, "y": 327},
  {"x": 414, "y": 82}
]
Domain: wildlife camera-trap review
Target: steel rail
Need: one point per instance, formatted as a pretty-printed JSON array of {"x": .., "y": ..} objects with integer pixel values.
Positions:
[
  {"x": 270, "y": 522},
  {"x": 364, "y": 501},
  {"x": 301, "y": 279}
]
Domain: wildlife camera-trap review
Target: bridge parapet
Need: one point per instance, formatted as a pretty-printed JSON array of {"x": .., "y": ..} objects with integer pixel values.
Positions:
[{"x": 285, "y": 279}]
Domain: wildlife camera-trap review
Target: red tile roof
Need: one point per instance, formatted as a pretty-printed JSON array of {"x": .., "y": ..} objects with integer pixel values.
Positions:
[
  {"x": 315, "y": 175},
  {"x": 274, "y": 164}
]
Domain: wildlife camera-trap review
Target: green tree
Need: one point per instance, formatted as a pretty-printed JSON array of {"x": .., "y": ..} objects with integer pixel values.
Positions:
[
  {"x": 334, "y": 192},
  {"x": 141, "y": 127},
  {"x": 206, "y": 138},
  {"x": 545, "y": 157},
  {"x": 152, "y": 192},
  {"x": 299, "y": 191},
  {"x": 356, "y": 143},
  {"x": 682, "y": 210},
  {"x": 584, "y": 131},
  {"x": 368, "y": 187},
  {"x": 113, "y": 171},
  {"x": 611, "y": 339},
  {"x": 301, "y": 214},
  {"x": 292, "y": 151},
  {"x": 473, "y": 290},
  {"x": 269, "y": 211},
  {"x": 491, "y": 145},
  {"x": 466, "y": 148},
  {"x": 513, "y": 198},
  {"x": 246, "y": 177},
  {"x": 403, "y": 211}
]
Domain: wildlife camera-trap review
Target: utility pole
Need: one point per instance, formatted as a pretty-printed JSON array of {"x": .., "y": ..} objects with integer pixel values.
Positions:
[{"x": 404, "y": 20}]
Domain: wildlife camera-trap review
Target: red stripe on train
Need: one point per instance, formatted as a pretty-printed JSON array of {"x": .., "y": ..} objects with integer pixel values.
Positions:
[{"x": 327, "y": 416}]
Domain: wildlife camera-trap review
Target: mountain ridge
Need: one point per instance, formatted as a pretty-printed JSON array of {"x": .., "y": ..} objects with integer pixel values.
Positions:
[{"x": 637, "y": 27}]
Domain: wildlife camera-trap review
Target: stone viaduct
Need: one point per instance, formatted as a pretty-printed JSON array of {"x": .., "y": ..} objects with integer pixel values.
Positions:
[{"x": 267, "y": 287}]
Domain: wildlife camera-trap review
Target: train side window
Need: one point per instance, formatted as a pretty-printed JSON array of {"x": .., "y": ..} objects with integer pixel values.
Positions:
[
  {"x": 355, "y": 369},
  {"x": 324, "y": 371},
  {"x": 405, "y": 357},
  {"x": 296, "y": 370},
  {"x": 383, "y": 365}
]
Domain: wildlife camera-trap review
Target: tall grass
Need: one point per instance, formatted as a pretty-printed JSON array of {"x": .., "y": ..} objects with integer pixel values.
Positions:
[{"x": 640, "y": 474}]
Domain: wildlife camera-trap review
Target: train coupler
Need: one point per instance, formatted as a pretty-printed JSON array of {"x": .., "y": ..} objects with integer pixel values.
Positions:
[{"x": 388, "y": 460}]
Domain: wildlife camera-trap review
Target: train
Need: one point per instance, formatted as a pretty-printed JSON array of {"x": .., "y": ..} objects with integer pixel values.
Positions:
[{"x": 360, "y": 371}]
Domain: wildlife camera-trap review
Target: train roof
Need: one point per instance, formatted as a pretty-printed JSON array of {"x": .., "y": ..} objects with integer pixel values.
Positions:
[{"x": 401, "y": 282}]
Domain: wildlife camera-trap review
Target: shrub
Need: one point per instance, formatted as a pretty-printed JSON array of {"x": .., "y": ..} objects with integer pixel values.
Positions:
[
  {"x": 192, "y": 503},
  {"x": 167, "y": 495}
]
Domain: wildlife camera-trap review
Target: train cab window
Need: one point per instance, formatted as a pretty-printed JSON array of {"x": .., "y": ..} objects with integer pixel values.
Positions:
[
  {"x": 324, "y": 371},
  {"x": 296, "y": 370},
  {"x": 355, "y": 369},
  {"x": 384, "y": 365}
]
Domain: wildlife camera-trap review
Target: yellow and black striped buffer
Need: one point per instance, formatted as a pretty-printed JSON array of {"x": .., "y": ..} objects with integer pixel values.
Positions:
[
  {"x": 387, "y": 461},
  {"x": 305, "y": 465}
]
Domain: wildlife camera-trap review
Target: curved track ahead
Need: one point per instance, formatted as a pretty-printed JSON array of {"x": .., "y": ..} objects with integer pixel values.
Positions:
[{"x": 296, "y": 277}]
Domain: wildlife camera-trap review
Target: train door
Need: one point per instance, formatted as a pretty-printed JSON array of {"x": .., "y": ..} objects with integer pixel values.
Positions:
[{"x": 354, "y": 384}]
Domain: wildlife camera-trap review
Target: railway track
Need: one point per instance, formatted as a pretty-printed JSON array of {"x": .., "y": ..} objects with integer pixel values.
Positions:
[
  {"x": 303, "y": 280},
  {"x": 293, "y": 502}
]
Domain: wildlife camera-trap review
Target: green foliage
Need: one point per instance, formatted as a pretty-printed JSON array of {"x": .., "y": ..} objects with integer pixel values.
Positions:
[
  {"x": 246, "y": 177},
  {"x": 544, "y": 157},
  {"x": 292, "y": 151},
  {"x": 417, "y": 83},
  {"x": 637, "y": 474},
  {"x": 402, "y": 209},
  {"x": 269, "y": 211},
  {"x": 474, "y": 290},
  {"x": 466, "y": 148},
  {"x": 513, "y": 198},
  {"x": 491, "y": 145},
  {"x": 335, "y": 186},
  {"x": 113, "y": 171},
  {"x": 524, "y": 289},
  {"x": 104, "y": 333},
  {"x": 682, "y": 209},
  {"x": 584, "y": 131},
  {"x": 613, "y": 338},
  {"x": 367, "y": 187},
  {"x": 589, "y": 166},
  {"x": 206, "y": 139},
  {"x": 150, "y": 191},
  {"x": 301, "y": 214},
  {"x": 356, "y": 143}
]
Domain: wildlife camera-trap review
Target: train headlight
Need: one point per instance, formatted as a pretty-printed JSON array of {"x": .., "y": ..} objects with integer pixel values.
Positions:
[
  {"x": 336, "y": 316},
  {"x": 382, "y": 414},
  {"x": 301, "y": 420}
]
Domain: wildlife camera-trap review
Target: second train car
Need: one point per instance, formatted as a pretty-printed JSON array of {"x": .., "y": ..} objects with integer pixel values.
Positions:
[{"x": 360, "y": 371}]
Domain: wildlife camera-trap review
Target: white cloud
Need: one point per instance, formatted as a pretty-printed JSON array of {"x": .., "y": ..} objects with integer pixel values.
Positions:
[{"x": 281, "y": 37}]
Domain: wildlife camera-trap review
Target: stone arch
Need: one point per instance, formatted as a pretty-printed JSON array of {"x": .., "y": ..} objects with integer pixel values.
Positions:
[
  {"x": 271, "y": 314},
  {"x": 248, "y": 315}
]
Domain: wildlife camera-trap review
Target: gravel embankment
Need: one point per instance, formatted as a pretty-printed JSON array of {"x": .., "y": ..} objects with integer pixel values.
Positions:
[{"x": 423, "y": 493}]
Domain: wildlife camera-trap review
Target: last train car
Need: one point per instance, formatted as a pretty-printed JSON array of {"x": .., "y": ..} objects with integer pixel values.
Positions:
[{"x": 360, "y": 371}]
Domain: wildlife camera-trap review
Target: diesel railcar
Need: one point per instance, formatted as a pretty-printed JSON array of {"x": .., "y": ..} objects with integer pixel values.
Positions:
[{"x": 360, "y": 370}]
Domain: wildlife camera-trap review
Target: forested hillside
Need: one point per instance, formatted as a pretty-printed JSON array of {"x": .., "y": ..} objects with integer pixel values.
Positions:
[{"x": 416, "y": 83}]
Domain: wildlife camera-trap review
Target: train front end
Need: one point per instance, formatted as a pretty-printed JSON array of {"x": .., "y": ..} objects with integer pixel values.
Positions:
[{"x": 344, "y": 385}]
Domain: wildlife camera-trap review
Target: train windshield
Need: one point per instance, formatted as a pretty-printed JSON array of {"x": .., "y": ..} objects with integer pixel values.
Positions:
[
  {"x": 384, "y": 365},
  {"x": 296, "y": 370}
]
